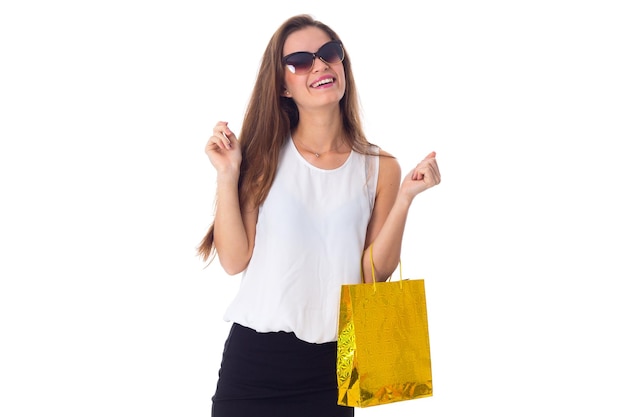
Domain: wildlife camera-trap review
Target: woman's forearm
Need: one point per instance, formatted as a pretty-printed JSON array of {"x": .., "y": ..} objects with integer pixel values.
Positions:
[
  {"x": 230, "y": 237},
  {"x": 387, "y": 245}
]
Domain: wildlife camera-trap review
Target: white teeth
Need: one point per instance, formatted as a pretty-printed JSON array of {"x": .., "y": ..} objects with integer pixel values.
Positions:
[{"x": 322, "y": 82}]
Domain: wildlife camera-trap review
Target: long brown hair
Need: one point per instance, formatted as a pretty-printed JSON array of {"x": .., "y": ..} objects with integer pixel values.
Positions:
[{"x": 270, "y": 117}]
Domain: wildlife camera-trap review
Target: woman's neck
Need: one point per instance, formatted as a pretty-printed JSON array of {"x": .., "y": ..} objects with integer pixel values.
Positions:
[{"x": 320, "y": 135}]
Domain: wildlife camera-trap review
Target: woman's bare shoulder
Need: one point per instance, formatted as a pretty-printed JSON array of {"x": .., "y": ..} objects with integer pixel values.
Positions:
[{"x": 389, "y": 168}]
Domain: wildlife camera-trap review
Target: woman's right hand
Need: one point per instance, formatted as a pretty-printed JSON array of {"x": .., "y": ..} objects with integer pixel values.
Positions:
[{"x": 223, "y": 150}]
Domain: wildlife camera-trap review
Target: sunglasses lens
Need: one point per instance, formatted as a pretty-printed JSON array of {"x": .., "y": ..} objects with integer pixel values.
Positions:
[
  {"x": 332, "y": 52},
  {"x": 299, "y": 62}
]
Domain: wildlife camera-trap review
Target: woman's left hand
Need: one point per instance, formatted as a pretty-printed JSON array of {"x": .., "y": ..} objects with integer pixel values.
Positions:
[{"x": 424, "y": 176}]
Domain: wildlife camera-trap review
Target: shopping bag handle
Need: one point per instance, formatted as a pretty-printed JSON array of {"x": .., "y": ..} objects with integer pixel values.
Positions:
[{"x": 374, "y": 271}]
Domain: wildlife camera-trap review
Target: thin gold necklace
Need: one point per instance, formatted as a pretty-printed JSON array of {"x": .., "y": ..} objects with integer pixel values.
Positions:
[{"x": 317, "y": 154}]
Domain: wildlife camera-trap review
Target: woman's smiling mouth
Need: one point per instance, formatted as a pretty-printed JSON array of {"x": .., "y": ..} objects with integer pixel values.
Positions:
[{"x": 323, "y": 81}]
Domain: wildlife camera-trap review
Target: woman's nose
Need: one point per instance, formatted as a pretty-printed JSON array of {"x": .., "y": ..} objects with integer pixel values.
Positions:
[{"x": 319, "y": 64}]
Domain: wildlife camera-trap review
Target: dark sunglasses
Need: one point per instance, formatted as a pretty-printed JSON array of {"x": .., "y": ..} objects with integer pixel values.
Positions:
[{"x": 302, "y": 62}]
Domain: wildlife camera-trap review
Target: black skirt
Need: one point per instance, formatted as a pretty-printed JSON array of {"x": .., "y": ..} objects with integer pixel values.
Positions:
[{"x": 276, "y": 374}]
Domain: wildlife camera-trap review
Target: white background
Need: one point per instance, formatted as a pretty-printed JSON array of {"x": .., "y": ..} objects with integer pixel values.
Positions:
[{"x": 105, "y": 109}]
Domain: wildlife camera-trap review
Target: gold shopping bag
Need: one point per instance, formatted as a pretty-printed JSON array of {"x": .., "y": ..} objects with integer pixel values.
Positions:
[{"x": 383, "y": 348}]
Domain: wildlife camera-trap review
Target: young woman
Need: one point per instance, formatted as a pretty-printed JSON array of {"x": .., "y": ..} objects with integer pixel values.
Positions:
[{"x": 301, "y": 196}]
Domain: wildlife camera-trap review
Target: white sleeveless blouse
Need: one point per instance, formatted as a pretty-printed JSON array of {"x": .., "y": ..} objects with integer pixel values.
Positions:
[{"x": 310, "y": 236}]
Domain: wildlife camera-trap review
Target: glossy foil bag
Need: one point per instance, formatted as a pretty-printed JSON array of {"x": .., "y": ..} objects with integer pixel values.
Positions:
[{"x": 383, "y": 349}]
